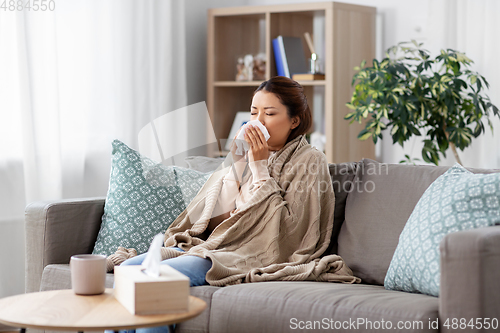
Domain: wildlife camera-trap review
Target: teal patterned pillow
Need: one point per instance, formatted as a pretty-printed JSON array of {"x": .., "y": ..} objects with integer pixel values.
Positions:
[
  {"x": 457, "y": 200},
  {"x": 143, "y": 199}
]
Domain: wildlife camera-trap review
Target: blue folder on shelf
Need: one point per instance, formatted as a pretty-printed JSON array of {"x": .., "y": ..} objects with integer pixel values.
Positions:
[
  {"x": 289, "y": 56},
  {"x": 278, "y": 58}
]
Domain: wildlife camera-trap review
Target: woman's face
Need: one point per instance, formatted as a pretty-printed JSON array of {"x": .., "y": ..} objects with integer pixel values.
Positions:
[{"x": 267, "y": 108}]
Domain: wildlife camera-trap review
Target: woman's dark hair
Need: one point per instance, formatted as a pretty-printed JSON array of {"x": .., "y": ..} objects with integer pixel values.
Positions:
[{"x": 291, "y": 95}]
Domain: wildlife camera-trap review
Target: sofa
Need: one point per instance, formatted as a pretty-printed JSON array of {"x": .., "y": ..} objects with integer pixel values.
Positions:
[{"x": 373, "y": 203}]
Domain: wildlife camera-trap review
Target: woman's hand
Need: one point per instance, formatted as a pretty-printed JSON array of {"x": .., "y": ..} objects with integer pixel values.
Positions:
[{"x": 259, "y": 150}]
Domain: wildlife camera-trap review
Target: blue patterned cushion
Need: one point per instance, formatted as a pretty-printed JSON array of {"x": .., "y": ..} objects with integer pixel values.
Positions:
[
  {"x": 143, "y": 199},
  {"x": 457, "y": 200}
]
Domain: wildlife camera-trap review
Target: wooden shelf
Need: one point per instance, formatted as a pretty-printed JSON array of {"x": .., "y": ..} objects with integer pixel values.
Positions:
[
  {"x": 237, "y": 83},
  {"x": 313, "y": 83},
  {"x": 257, "y": 83},
  {"x": 346, "y": 35}
]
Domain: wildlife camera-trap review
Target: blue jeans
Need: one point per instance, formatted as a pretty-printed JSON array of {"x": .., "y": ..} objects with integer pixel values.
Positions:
[{"x": 194, "y": 267}]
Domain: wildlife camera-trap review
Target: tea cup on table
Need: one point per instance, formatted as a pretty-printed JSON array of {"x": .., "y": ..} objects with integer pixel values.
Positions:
[{"x": 88, "y": 274}]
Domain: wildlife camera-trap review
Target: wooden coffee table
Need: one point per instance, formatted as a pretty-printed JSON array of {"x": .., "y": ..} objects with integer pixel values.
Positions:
[{"x": 64, "y": 310}]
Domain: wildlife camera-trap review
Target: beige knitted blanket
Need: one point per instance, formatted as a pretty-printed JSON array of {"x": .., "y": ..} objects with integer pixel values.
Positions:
[{"x": 279, "y": 234}]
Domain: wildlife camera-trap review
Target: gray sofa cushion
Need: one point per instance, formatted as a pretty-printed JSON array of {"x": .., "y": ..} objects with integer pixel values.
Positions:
[
  {"x": 270, "y": 306},
  {"x": 200, "y": 323},
  {"x": 376, "y": 212}
]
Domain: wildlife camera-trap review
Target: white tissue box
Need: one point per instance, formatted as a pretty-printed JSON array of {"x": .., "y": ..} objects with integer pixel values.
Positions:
[{"x": 142, "y": 294}]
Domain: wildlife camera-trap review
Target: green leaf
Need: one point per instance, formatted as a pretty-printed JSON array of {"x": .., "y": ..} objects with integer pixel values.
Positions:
[
  {"x": 364, "y": 136},
  {"x": 349, "y": 115},
  {"x": 429, "y": 152}
]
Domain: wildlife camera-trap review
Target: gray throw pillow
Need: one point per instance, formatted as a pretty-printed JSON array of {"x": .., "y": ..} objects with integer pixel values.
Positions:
[{"x": 144, "y": 198}]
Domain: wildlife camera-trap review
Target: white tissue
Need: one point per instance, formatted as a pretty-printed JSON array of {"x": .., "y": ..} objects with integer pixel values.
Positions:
[
  {"x": 241, "y": 145},
  {"x": 153, "y": 258}
]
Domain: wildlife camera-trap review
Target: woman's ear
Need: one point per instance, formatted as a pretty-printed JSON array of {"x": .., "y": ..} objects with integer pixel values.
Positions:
[{"x": 295, "y": 122}]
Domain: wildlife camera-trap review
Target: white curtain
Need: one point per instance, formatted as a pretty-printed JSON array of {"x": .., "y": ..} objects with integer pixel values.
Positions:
[
  {"x": 473, "y": 27},
  {"x": 71, "y": 81}
]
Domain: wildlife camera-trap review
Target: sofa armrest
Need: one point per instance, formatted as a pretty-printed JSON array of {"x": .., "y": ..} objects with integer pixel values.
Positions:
[
  {"x": 470, "y": 271},
  {"x": 56, "y": 230}
]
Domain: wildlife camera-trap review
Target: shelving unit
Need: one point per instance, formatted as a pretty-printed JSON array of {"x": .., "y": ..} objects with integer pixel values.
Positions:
[{"x": 348, "y": 37}]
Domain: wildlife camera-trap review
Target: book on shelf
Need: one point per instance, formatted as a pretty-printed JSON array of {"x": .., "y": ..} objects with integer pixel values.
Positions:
[
  {"x": 289, "y": 56},
  {"x": 308, "y": 77},
  {"x": 277, "y": 57}
]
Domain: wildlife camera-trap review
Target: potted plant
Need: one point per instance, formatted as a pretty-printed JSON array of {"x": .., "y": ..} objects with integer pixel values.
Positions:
[{"x": 413, "y": 93}]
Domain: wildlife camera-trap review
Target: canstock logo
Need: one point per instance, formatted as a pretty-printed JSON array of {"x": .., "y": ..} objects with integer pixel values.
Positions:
[
  {"x": 163, "y": 145},
  {"x": 176, "y": 132}
]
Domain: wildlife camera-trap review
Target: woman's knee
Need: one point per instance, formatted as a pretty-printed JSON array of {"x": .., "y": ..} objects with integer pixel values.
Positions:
[
  {"x": 194, "y": 267},
  {"x": 137, "y": 260}
]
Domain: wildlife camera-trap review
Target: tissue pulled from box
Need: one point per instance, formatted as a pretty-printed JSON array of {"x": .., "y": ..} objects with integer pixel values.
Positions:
[
  {"x": 241, "y": 144},
  {"x": 153, "y": 257}
]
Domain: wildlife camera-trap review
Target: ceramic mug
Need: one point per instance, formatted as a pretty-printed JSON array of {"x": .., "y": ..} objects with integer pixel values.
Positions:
[{"x": 88, "y": 274}]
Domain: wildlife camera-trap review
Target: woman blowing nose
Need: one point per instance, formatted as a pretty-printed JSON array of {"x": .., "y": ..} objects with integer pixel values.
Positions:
[{"x": 265, "y": 215}]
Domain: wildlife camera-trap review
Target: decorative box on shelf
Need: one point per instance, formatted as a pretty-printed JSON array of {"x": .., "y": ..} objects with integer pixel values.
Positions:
[
  {"x": 308, "y": 77},
  {"x": 142, "y": 294}
]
